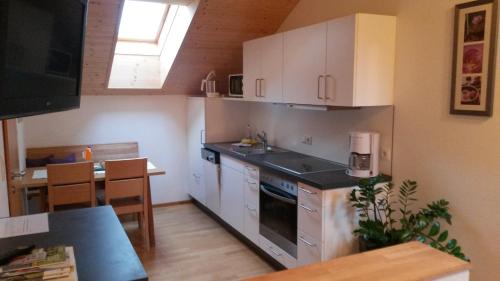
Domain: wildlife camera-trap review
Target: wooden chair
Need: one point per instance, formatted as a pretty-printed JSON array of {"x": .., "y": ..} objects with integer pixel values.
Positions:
[
  {"x": 126, "y": 189},
  {"x": 70, "y": 184}
]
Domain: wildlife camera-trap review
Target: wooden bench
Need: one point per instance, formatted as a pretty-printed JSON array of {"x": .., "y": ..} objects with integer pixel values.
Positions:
[{"x": 100, "y": 152}]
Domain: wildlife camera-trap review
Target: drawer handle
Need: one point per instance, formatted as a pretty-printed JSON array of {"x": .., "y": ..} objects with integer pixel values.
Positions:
[
  {"x": 250, "y": 182},
  {"x": 307, "y": 242},
  {"x": 307, "y": 208},
  {"x": 251, "y": 209},
  {"x": 307, "y": 191}
]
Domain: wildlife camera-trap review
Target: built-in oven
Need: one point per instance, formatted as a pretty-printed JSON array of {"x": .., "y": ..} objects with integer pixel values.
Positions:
[{"x": 278, "y": 211}]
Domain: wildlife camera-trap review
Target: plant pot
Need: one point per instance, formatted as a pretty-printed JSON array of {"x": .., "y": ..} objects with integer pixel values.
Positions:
[{"x": 367, "y": 245}]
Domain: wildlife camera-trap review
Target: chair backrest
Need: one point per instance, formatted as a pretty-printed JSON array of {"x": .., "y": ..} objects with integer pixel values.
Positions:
[
  {"x": 126, "y": 178},
  {"x": 70, "y": 183}
]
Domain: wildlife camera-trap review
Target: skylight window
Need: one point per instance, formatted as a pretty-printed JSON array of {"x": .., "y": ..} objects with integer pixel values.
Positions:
[
  {"x": 142, "y": 21},
  {"x": 149, "y": 37}
]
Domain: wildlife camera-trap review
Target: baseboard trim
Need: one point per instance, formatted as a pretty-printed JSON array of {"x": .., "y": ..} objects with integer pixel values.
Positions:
[
  {"x": 169, "y": 204},
  {"x": 256, "y": 249}
]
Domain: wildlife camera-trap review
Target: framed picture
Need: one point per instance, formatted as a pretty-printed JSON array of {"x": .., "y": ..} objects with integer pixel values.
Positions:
[{"x": 474, "y": 58}]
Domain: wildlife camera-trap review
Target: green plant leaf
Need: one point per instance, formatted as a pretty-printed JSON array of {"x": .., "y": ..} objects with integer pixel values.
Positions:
[
  {"x": 434, "y": 229},
  {"x": 443, "y": 236},
  {"x": 451, "y": 244}
]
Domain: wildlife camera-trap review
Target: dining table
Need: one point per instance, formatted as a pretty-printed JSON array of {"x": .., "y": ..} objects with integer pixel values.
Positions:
[{"x": 35, "y": 178}]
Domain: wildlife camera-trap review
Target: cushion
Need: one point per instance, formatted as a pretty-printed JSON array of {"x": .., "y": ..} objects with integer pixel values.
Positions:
[
  {"x": 38, "y": 162},
  {"x": 71, "y": 158}
]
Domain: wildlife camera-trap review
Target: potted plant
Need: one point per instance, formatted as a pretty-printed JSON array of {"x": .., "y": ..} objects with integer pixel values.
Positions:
[{"x": 378, "y": 227}]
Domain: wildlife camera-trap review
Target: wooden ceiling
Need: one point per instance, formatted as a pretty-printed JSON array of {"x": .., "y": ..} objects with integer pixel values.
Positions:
[{"x": 214, "y": 41}]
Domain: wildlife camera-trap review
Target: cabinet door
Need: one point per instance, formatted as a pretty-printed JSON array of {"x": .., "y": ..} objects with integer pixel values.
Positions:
[
  {"x": 211, "y": 173},
  {"x": 251, "y": 69},
  {"x": 271, "y": 83},
  {"x": 232, "y": 198},
  {"x": 304, "y": 65},
  {"x": 196, "y": 127},
  {"x": 340, "y": 62}
]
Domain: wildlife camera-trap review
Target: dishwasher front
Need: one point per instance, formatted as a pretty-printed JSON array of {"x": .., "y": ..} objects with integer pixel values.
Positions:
[{"x": 211, "y": 169}]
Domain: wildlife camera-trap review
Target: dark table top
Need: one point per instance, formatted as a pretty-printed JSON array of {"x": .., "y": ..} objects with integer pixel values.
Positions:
[
  {"x": 321, "y": 180},
  {"x": 102, "y": 248}
]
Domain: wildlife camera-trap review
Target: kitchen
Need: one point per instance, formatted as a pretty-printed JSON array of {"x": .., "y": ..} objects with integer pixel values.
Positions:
[{"x": 418, "y": 139}]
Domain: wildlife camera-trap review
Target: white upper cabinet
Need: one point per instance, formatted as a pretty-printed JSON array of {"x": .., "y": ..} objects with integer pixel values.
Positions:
[
  {"x": 360, "y": 60},
  {"x": 304, "y": 65},
  {"x": 263, "y": 69},
  {"x": 343, "y": 62}
]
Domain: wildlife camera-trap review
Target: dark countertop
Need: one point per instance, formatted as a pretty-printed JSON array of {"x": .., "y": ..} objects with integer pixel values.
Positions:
[
  {"x": 102, "y": 248},
  {"x": 320, "y": 180}
]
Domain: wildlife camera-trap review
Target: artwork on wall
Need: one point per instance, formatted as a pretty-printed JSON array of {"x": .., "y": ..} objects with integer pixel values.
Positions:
[{"x": 474, "y": 58}]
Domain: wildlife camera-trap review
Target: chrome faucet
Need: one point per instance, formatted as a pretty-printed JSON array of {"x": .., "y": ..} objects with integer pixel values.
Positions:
[{"x": 263, "y": 139}]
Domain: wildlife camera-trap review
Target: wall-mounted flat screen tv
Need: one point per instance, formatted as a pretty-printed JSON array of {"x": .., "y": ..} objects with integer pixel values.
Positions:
[{"x": 41, "y": 53}]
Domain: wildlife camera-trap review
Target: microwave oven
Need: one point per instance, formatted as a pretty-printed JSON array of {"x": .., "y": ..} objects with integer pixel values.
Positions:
[{"x": 236, "y": 85}]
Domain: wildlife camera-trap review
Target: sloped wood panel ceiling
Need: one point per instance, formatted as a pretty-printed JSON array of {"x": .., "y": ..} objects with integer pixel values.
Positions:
[{"x": 214, "y": 41}]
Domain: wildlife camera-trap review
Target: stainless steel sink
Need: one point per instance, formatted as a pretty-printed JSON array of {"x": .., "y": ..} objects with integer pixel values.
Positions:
[{"x": 256, "y": 150}]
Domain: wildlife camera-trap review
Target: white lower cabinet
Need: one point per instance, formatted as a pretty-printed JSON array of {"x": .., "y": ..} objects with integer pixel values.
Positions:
[
  {"x": 232, "y": 197},
  {"x": 251, "y": 191},
  {"x": 308, "y": 249},
  {"x": 325, "y": 223}
]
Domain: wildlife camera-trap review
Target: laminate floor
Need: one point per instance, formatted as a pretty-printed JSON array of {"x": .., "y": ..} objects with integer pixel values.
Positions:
[{"x": 192, "y": 246}]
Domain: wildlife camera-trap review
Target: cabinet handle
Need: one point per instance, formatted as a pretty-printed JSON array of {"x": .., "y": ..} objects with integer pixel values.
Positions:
[
  {"x": 307, "y": 208},
  {"x": 319, "y": 82},
  {"x": 251, "y": 209},
  {"x": 326, "y": 84},
  {"x": 307, "y": 191},
  {"x": 201, "y": 136},
  {"x": 260, "y": 88},
  {"x": 307, "y": 242},
  {"x": 256, "y": 83}
]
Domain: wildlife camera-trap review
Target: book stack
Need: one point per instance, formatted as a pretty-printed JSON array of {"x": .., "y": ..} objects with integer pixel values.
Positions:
[{"x": 53, "y": 263}]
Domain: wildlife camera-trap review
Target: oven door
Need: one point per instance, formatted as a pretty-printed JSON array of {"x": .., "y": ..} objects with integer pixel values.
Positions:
[{"x": 278, "y": 218}]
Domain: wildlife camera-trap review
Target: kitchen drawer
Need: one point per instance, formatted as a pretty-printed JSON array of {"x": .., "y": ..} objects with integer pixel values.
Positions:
[
  {"x": 251, "y": 228},
  {"x": 309, "y": 196},
  {"x": 309, "y": 220},
  {"x": 277, "y": 253},
  {"x": 252, "y": 172},
  {"x": 308, "y": 249},
  {"x": 252, "y": 193}
]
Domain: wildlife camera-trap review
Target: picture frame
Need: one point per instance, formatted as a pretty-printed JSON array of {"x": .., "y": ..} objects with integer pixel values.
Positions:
[{"x": 474, "y": 54}]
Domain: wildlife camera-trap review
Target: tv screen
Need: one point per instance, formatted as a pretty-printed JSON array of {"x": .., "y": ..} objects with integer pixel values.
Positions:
[{"x": 41, "y": 52}]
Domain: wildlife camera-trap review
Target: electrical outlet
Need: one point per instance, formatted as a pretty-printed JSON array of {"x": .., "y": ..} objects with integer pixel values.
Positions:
[{"x": 307, "y": 140}]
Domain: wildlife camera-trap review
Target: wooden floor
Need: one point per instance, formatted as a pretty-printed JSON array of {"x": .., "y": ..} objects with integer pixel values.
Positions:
[{"x": 192, "y": 246}]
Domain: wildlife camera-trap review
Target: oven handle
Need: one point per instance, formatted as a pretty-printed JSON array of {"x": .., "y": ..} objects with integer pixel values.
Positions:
[{"x": 276, "y": 196}]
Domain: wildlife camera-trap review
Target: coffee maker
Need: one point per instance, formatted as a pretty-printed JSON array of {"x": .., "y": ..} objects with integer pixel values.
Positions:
[{"x": 364, "y": 156}]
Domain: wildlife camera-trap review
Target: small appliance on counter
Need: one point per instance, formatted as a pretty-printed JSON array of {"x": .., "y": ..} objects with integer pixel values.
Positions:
[
  {"x": 208, "y": 85},
  {"x": 364, "y": 156},
  {"x": 235, "y": 85}
]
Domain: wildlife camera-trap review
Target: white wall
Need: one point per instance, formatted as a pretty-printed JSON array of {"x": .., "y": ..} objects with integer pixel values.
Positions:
[
  {"x": 157, "y": 123},
  {"x": 329, "y": 130},
  {"x": 451, "y": 156}
]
